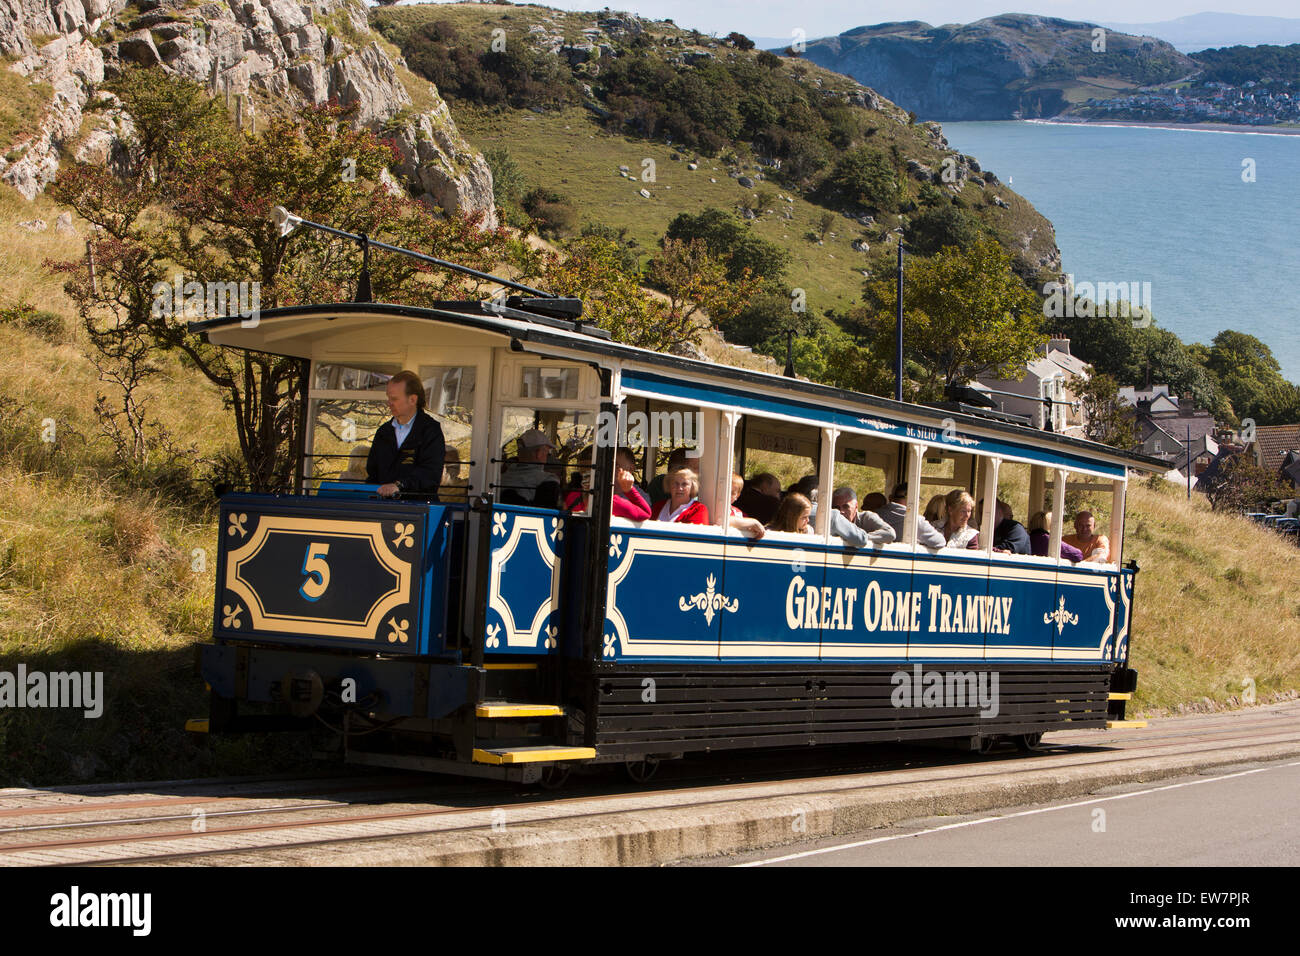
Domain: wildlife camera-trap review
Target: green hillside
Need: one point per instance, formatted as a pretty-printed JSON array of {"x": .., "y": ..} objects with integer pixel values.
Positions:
[{"x": 568, "y": 97}]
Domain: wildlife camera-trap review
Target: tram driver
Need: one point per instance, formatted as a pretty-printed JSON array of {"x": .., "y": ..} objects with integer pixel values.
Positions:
[{"x": 409, "y": 451}]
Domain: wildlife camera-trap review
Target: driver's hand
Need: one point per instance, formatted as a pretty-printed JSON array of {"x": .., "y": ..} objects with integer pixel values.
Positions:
[{"x": 388, "y": 490}]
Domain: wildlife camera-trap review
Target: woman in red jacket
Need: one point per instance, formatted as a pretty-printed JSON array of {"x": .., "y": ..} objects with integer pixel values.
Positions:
[{"x": 683, "y": 505}]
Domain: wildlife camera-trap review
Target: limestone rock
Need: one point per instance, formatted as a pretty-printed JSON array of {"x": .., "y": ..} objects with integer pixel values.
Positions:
[{"x": 280, "y": 48}]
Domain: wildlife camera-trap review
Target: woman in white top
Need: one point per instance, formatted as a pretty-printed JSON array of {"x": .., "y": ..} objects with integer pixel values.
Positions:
[{"x": 957, "y": 529}]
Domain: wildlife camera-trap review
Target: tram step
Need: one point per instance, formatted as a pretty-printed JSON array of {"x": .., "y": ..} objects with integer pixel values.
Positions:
[
  {"x": 1125, "y": 724},
  {"x": 197, "y": 725},
  {"x": 503, "y": 709},
  {"x": 1118, "y": 696},
  {"x": 542, "y": 754}
]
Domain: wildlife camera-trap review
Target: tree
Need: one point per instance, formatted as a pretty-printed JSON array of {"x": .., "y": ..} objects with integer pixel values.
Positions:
[
  {"x": 1107, "y": 419},
  {"x": 1240, "y": 485},
  {"x": 197, "y": 203},
  {"x": 939, "y": 226},
  {"x": 727, "y": 238},
  {"x": 695, "y": 280},
  {"x": 824, "y": 223},
  {"x": 965, "y": 314},
  {"x": 865, "y": 177}
]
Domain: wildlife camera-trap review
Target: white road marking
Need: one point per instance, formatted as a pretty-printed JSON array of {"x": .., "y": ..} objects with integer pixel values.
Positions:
[{"x": 1007, "y": 816}]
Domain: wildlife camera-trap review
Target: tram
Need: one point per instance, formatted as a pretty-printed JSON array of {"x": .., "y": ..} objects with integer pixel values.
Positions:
[{"x": 473, "y": 636}]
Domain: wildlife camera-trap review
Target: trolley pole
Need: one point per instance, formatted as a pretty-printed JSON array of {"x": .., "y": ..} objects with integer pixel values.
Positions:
[{"x": 898, "y": 330}]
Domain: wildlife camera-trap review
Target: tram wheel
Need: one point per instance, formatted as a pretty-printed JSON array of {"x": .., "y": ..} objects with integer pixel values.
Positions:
[
  {"x": 989, "y": 744},
  {"x": 555, "y": 776},
  {"x": 640, "y": 771},
  {"x": 1029, "y": 742}
]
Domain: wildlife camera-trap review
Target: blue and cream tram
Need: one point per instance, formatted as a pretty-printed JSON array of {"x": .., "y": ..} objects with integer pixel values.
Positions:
[{"x": 472, "y": 636}]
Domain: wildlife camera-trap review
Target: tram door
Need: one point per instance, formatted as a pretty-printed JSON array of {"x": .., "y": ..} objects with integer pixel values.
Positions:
[{"x": 540, "y": 472}]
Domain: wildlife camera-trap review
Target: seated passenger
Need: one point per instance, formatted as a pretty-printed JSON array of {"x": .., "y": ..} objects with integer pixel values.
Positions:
[
  {"x": 896, "y": 510},
  {"x": 678, "y": 459},
  {"x": 874, "y": 501},
  {"x": 1040, "y": 535},
  {"x": 958, "y": 529},
  {"x": 1009, "y": 535},
  {"x": 629, "y": 500},
  {"x": 526, "y": 480},
  {"x": 1095, "y": 547},
  {"x": 857, "y": 528},
  {"x": 761, "y": 497},
  {"x": 683, "y": 505},
  {"x": 935, "y": 512},
  {"x": 579, "y": 489},
  {"x": 806, "y": 486},
  {"x": 792, "y": 515},
  {"x": 750, "y": 527},
  {"x": 455, "y": 476}
]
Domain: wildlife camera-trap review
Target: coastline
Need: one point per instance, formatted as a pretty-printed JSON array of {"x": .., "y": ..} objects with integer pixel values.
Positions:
[{"x": 1183, "y": 127}]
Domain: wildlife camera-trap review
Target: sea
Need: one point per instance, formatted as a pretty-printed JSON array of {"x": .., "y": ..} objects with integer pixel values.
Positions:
[{"x": 1211, "y": 219}]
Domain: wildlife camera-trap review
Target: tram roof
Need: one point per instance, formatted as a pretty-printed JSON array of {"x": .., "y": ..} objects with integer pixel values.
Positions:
[{"x": 294, "y": 331}]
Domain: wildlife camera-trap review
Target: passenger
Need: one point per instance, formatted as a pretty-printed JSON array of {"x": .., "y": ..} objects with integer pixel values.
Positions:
[
  {"x": 959, "y": 507},
  {"x": 750, "y": 527},
  {"x": 935, "y": 511},
  {"x": 874, "y": 501},
  {"x": 761, "y": 497},
  {"x": 896, "y": 510},
  {"x": 857, "y": 528},
  {"x": 1095, "y": 547},
  {"x": 526, "y": 480},
  {"x": 1040, "y": 534},
  {"x": 678, "y": 459},
  {"x": 629, "y": 500},
  {"x": 408, "y": 451},
  {"x": 792, "y": 515},
  {"x": 683, "y": 505},
  {"x": 356, "y": 470},
  {"x": 579, "y": 489},
  {"x": 453, "y": 484},
  {"x": 806, "y": 486},
  {"x": 1009, "y": 535}
]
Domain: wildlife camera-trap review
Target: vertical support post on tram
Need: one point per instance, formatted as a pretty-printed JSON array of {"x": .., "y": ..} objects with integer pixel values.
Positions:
[
  {"x": 1058, "y": 512},
  {"x": 826, "y": 481},
  {"x": 602, "y": 505},
  {"x": 726, "y": 464},
  {"x": 1120, "y": 486},
  {"x": 915, "y": 456},
  {"x": 988, "y": 517}
]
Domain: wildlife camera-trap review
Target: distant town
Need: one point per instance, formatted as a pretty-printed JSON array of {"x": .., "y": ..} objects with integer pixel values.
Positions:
[{"x": 1252, "y": 103}]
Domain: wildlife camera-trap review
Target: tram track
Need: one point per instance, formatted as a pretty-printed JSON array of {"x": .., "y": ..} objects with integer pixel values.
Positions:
[
  {"x": 378, "y": 791},
  {"x": 337, "y": 824}
]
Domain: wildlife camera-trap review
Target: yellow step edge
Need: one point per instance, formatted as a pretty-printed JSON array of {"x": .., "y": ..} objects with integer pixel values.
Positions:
[
  {"x": 197, "y": 725},
  {"x": 518, "y": 710},
  {"x": 1125, "y": 724},
  {"x": 1113, "y": 695},
  {"x": 533, "y": 754}
]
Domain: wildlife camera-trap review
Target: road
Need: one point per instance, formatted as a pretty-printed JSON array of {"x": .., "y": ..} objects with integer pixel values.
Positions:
[{"x": 1243, "y": 817}]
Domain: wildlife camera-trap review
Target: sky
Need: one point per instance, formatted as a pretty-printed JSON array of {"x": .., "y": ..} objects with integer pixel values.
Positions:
[{"x": 818, "y": 18}]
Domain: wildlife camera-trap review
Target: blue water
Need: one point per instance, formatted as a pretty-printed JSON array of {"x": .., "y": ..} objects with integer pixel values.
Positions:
[{"x": 1168, "y": 207}]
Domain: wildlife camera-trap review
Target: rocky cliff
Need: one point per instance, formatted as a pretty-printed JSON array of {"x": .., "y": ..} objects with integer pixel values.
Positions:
[
  {"x": 255, "y": 53},
  {"x": 1006, "y": 67}
]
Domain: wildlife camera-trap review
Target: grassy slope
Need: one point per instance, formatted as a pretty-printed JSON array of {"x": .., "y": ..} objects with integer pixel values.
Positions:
[{"x": 571, "y": 152}]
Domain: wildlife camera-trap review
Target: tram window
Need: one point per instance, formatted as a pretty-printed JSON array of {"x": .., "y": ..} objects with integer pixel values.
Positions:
[
  {"x": 572, "y": 432},
  {"x": 788, "y": 450},
  {"x": 943, "y": 471},
  {"x": 449, "y": 397},
  {"x": 543, "y": 381},
  {"x": 865, "y": 464},
  {"x": 345, "y": 407},
  {"x": 1013, "y": 488}
]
